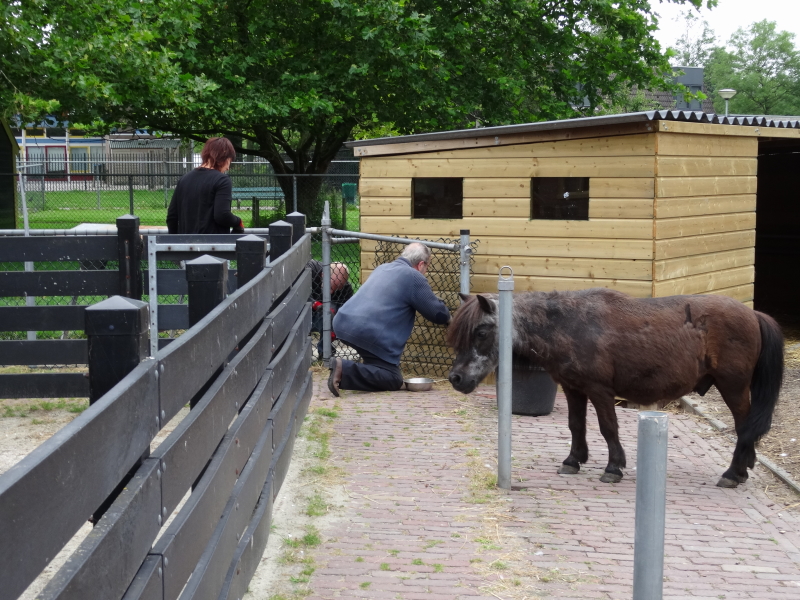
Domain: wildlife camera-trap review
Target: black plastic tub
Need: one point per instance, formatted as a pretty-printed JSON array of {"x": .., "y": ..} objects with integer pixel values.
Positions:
[{"x": 533, "y": 391}]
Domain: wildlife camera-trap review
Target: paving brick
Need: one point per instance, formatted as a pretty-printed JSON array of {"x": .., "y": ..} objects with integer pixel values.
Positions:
[{"x": 409, "y": 488}]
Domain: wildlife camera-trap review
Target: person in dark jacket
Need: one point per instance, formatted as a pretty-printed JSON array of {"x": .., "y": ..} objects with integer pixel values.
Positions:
[
  {"x": 341, "y": 292},
  {"x": 378, "y": 320},
  {"x": 201, "y": 202}
]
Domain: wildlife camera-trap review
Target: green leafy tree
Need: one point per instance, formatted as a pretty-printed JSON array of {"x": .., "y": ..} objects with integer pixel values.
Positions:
[
  {"x": 293, "y": 80},
  {"x": 696, "y": 44},
  {"x": 763, "y": 66}
]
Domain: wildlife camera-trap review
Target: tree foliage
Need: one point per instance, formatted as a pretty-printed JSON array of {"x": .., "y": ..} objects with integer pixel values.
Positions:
[
  {"x": 293, "y": 79},
  {"x": 763, "y": 66}
]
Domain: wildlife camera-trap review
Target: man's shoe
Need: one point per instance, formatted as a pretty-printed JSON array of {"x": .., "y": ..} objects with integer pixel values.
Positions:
[{"x": 335, "y": 378}]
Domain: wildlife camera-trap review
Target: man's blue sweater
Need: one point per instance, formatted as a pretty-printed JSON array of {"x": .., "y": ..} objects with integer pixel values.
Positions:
[{"x": 380, "y": 316}]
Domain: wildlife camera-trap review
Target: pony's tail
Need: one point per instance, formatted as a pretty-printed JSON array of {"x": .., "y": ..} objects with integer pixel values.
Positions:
[{"x": 766, "y": 382}]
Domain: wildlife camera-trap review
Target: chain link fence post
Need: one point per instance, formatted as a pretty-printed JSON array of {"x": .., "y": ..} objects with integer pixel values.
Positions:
[
  {"x": 464, "y": 252},
  {"x": 505, "y": 287},
  {"x": 326, "y": 285},
  {"x": 29, "y": 300}
]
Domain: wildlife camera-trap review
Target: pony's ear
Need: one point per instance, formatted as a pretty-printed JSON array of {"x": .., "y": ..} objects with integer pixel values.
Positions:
[
  {"x": 486, "y": 304},
  {"x": 464, "y": 297}
]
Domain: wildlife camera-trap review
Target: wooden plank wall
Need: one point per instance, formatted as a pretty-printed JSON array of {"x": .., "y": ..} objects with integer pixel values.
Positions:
[
  {"x": 614, "y": 248},
  {"x": 705, "y": 202}
]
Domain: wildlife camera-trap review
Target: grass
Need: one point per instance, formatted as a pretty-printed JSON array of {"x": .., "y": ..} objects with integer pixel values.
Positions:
[
  {"x": 24, "y": 408},
  {"x": 66, "y": 209}
]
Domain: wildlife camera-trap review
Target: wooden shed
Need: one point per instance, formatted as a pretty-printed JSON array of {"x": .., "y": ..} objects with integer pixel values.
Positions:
[{"x": 651, "y": 204}]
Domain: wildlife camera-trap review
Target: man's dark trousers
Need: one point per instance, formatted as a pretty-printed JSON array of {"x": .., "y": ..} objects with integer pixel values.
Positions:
[{"x": 372, "y": 375}]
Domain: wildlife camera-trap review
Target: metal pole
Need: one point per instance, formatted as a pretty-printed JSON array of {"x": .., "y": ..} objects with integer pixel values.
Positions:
[
  {"x": 726, "y": 107},
  {"x": 152, "y": 292},
  {"x": 294, "y": 193},
  {"x": 464, "y": 251},
  {"x": 130, "y": 190},
  {"x": 651, "y": 500},
  {"x": 505, "y": 287},
  {"x": 326, "y": 285},
  {"x": 29, "y": 300}
]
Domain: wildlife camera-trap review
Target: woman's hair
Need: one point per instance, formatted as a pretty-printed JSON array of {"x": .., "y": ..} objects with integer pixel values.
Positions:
[
  {"x": 216, "y": 151},
  {"x": 416, "y": 253}
]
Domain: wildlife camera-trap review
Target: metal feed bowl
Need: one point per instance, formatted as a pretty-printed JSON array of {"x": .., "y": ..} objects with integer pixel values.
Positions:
[{"x": 418, "y": 384}]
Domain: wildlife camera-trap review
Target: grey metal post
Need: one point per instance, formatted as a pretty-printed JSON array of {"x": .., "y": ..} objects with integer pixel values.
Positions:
[
  {"x": 130, "y": 191},
  {"x": 651, "y": 500},
  {"x": 326, "y": 285},
  {"x": 294, "y": 192},
  {"x": 505, "y": 287},
  {"x": 166, "y": 180},
  {"x": 464, "y": 251},
  {"x": 29, "y": 300}
]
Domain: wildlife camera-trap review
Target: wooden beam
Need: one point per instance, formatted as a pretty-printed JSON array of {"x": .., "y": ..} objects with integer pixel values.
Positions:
[
  {"x": 585, "y": 268},
  {"x": 368, "y": 186},
  {"x": 703, "y": 263},
  {"x": 704, "y": 205},
  {"x": 600, "y": 187},
  {"x": 704, "y": 244},
  {"x": 705, "y": 282},
  {"x": 480, "y": 141},
  {"x": 753, "y": 131},
  {"x": 699, "y": 166},
  {"x": 523, "y": 283},
  {"x": 510, "y": 227},
  {"x": 705, "y": 145},
  {"x": 693, "y": 226},
  {"x": 624, "y": 145},
  {"x": 667, "y": 187},
  {"x": 592, "y": 166}
]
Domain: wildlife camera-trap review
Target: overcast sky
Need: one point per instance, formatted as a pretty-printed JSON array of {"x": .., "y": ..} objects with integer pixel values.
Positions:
[{"x": 728, "y": 16}]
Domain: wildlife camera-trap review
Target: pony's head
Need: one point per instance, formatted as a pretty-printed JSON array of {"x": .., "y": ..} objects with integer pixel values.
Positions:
[{"x": 473, "y": 335}]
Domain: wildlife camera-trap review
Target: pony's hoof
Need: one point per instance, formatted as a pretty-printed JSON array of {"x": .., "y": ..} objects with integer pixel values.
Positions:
[
  {"x": 724, "y": 482},
  {"x": 567, "y": 470},
  {"x": 611, "y": 477}
]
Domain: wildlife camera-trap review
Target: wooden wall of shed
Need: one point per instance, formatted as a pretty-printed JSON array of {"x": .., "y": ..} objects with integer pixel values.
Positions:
[
  {"x": 613, "y": 249},
  {"x": 705, "y": 201}
]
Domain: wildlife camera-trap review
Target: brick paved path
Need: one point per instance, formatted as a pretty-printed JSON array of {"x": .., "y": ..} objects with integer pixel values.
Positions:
[{"x": 421, "y": 521}]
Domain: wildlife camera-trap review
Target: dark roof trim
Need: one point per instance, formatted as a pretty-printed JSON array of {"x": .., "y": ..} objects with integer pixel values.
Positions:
[{"x": 654, "y": 115}]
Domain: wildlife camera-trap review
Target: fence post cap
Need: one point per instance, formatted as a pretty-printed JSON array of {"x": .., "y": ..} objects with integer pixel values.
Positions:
[
  {"x": 206, "y": 268},
  {"x": 295, "y": 215},
  {"x": 117, "y": 315},
  {"x": 250, "y": 238},
  {"x": 280, "y": 228},
  {"x": 127, "y": 221},
  {"x": 464, "y": 232}
]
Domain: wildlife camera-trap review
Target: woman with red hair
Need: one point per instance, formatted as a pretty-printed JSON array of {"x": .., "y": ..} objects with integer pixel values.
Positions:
[{"x": 201, "y": 202}]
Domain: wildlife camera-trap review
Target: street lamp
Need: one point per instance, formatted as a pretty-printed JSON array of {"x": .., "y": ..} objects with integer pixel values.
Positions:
[{"x": 727, "y": 94}]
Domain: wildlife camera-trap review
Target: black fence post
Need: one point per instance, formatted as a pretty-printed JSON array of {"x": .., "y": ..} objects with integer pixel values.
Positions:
[
  {"x": 207, "y": 277},
  {"x": 129, "y": 250},
  {"x": 280, "y": 239},
  {"x": 117, "y": 330},
  {"x": 130, "y": 191},
  {"x": 251, "y": 252},
  {"x": 256, "y": 210},
  {"x": 298, "y": 222}
]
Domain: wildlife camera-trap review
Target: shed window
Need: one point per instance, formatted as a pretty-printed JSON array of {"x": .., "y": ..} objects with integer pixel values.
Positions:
[
  {"x": 437, "y": 197},
  {"x": 565, "y": 198}
]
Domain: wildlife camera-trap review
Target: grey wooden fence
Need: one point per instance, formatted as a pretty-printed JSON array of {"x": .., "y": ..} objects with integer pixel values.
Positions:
[{"x": 244, "y": 369}]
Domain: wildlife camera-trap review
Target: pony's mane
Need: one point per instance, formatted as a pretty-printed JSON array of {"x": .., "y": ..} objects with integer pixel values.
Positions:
[{"x": 459, "y": 332}]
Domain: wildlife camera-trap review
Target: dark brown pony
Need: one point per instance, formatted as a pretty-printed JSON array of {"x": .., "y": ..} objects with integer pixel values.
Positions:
[{"x": 599, "y": 344}]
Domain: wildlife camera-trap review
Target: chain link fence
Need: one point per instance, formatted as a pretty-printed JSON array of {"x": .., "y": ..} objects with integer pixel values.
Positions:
[
  {"x": 260, "y": 197},
  {"x": 426, "y": 353}
]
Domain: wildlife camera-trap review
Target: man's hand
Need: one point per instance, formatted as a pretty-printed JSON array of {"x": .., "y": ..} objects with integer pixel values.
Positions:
[{"x": 239, "y": 228}]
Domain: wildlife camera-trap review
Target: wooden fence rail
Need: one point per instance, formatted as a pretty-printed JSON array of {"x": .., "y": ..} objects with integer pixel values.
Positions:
[{"x": 244, "y": 370}]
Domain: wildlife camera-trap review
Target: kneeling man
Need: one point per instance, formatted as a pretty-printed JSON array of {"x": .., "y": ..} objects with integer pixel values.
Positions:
[{"x": 378, "y": 319}]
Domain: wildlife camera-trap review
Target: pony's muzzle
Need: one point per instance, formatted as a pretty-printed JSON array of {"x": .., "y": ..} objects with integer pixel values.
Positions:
[{"x": 465, "y": 386}]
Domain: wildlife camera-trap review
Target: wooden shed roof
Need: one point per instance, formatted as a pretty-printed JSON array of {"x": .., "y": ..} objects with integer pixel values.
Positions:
[{"x": 362, "y": 146}]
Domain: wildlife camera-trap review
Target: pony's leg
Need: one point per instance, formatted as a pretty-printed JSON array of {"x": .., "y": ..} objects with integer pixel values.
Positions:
[
  {"x": 579, "y": 452},
  {"x": 607, "y": 418},
  {"x": 737, "y": 397}
]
